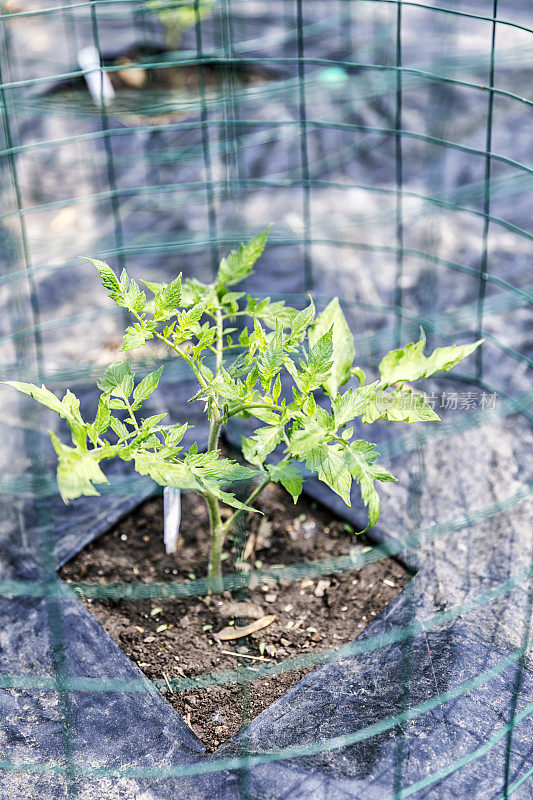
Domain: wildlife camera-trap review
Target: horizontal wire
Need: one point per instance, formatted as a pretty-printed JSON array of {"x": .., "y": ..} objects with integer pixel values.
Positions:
[
  {"x": 104, "y": 3},
  {"x": 224, "y": 677},
  {"x": 281, "y": 754}
]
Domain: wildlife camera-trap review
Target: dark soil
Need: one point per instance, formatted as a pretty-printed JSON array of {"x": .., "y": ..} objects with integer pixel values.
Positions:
[{"x": 311, "y": 615}]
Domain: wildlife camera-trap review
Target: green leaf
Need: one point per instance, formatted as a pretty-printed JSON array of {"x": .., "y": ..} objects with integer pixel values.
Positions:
[
  {"x": 362, "y": 456},
  {"x": 118, "y": 380},
  {"x": 68, "y": 408},
  {"x": 409, "y": 363},
  {"x": 263, "y": 441},
  {"x": 300, "y": 324},
  {"x": 71, "y": 406},
  {"x": 167, "y": 300},
  {"x": 176, "y": 434},
  {"x": 317, "y": 370},
  {"x": 211, "y": 467},
  {"x": 238, "y": 264},
  {"x": 150, "y": 423},
  {"x": 103, "y": 416},
  {"x": 401, "y": 405},
  {"x": 329, "y": 461},
  {"x": 187, "y": 320},
  {"x": 272, "y": 358},
  {"x": 108, "y": 277},
  {"x": 165, "y": 473},
  {"x": 230, "y": 499},
  {"x": 343, "y": 345},
  {"x": 135, "y": 336},
  {"x": 194, "y": 292},
  {"x": 352, "y": 403},
  {"x": 76, "y": 471},
  {"x": 154, "y": 287},
  {"x": 288, "y": 476},
  {"x": 41, "y": 394},
  {"x": 272, "y": 313},
  {"x": 124, "y": 292},
  {"x": 120, "y": 429},
  {"x": 144, "y": 389}
]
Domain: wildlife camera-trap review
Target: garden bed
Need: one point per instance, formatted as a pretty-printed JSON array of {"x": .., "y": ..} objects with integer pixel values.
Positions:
[{"x": 310, "y": 614}]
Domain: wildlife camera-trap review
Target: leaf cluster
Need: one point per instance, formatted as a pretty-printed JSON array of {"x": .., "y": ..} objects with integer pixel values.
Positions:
[{"x": 255, "y": 358}]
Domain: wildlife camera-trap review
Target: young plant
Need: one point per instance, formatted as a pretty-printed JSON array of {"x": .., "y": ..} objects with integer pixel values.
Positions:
[{"x": 275, "y": 369}]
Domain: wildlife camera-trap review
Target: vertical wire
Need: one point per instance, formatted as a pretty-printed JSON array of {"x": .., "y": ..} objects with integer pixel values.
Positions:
[
  {"x": 243, "y": 772},
  {"x": 110, "y": 165},
  {"x": 33, "y": 448},
  {"x": 32, "y": 288},
  {"x": 486, "y": 201},
  {"x": 231, "y": 114},
  {"x": 304, "y": 154},
  {"x": 206, "y": 150},
  {"x": 520, "y": 668},
  {"x": 406, "y": 646},
  {"x": 398, "y": 296}
]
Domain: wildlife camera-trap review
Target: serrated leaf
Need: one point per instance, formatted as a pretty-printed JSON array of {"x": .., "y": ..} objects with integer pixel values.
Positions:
[
  {"x": 103, "y": 416},
  {"x": 152, "y": 422},
  {"x": 194, "y": 292},
  {"x": 144, "y": 389},
  {"x": 107, "y": 275},
  {"x": 176, "y": 434},
  {"x": 401, "y": 405},
  {"x": 134, "y": 298},
  {"x": 251, "y": 378},
  {"x": 362, "y": 456},
  {"x": 258, "y": 338},
  {"x": 167, "y": 300},
  {"x": 76, "y": 471},
  {"x": 135, "y": 336},
  {"x": 120, "y": 429},
  {"x": 68, "y": 408},
  {"x": 116, "y": 404},
  {"x": 300, "y": 324},
  {"x": 409, "y": 363},
  {"x": 271, "y": 313},
  {"x": 288, "y": 476},
  {"x": 230, "y": 499},
  {"x": 263, "y": 441},
  {"x": 164, "y": 473},
  {"x": 71, "y": 405},
  {"x": 343, "y": 345},
  {"x": 329, "y": 461},
  {"x": 351, "y": 404},
  {"x": 41, "y": 394},
  {"x": 186, "y": 321},
  {"x": 211, "y": 467},
  {"x": 238, "y": 264},
  {"x": 153, "y": 286},
  {"x": 317, "y": 370},
  {"x": 272, "y": 358},
  {"x": 118, "y": 380}
]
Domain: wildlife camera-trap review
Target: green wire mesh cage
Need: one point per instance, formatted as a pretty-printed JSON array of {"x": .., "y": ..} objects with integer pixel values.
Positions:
[{"x": 388, "y": 142}]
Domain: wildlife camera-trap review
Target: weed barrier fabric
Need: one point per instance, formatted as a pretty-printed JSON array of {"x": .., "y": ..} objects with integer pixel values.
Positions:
[{"x": 434, "y": 699}]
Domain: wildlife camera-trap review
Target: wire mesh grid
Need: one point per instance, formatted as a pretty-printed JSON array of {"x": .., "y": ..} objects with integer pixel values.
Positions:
[{"x": 388, "y": 141}]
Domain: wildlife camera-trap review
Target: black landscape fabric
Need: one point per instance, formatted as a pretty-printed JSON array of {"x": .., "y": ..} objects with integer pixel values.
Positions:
[{"x": 434, "y": 699}]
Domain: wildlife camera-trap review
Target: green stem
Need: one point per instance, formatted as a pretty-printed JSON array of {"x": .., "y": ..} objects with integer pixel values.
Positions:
[
  {"x": 220, "y": 338},
  {"x": 218, "y": 534}
]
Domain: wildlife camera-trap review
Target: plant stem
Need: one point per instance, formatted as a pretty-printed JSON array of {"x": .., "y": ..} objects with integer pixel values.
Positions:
[
  {"x": 214, "y": 572},
  {"x": 218, "y": 534}
]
